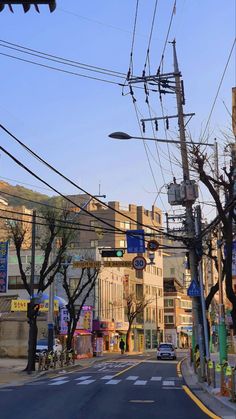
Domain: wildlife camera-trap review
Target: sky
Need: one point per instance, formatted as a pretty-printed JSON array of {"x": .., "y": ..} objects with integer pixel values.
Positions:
[{"x": 67, "y": 118}]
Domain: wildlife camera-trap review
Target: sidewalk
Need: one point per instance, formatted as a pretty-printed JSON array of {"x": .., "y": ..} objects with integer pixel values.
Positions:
[
  {"x": 220, "y": 405},
  {"x": 12, "y": 374}
]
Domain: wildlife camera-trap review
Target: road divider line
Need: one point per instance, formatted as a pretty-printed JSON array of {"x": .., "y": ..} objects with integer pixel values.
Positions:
[
  {"x": 199, "y": 403},
  {"x": 127, "y": 369},
  {"x": 179, "y": 373}
]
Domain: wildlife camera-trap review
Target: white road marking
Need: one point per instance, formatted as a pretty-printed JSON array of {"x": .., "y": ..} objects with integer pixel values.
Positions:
[
  {"x": 168, "y": 383},
  {"x": 85, "y": 382},
  {"x": 107, "y": 377},
  {"x": 58, "y": 383},
  {"x": 156, "y": 378},
  {"x": 84, "y": 377},
  {"x": 59, "y": 379},
  {"x": 113, "y": 382},
  {"x": 140, "y": 383},
  {"x": 171, "y": 388},
  {"x": 132, "y": 377}
]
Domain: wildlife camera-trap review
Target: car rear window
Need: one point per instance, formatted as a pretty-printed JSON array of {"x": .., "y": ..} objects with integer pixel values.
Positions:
[{"x": 165, "y": 346}]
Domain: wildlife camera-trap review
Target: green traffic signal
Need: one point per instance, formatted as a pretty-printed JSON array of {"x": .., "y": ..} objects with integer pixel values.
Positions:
[{"x": 112, "y": 253}]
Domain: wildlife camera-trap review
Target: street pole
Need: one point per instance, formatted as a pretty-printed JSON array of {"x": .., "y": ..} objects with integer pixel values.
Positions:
[
  {"x": 197, "y": 326},
  {"x": 32, "y": 273},
  {"x": 200, "y": 275},
  {"x": 221, "y": 319},
  {"x": 157, "y": 325}
]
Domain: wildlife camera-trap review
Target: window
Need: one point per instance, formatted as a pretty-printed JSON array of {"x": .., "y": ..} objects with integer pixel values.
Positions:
[
  {"x": 186, "y": 319},
  {"x": 123, "y": 243},
  {"x": 169, "y": 319},
  {"x": 93, "y": 243},
  {"x": 169, "y": 302},
  {"x": 186, "y": 304},
  {"x": 125, "y": 225}
]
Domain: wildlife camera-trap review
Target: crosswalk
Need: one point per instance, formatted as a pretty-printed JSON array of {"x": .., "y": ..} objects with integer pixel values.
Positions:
[{"x": 85, "y": 380}]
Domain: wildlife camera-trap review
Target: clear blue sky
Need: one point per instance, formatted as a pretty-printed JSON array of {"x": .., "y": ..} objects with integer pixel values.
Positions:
[{"x": 67, "y": 119}]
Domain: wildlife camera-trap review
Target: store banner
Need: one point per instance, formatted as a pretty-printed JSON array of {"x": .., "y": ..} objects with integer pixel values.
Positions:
[{"x": 3, "y": 267}]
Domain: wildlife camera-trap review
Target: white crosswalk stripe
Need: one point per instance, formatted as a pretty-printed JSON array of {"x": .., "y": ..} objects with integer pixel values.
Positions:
[
  {"x": 168, "y": 383},
  {"x": 85, "y": 382},
  {"x": 107, "y": 377},
  {"x": 113, "y": 382},
  {"x": 58, "y": 383},
  {"x": 59, "y": 379},
  {"x": 132, "y": 377},
  {"x": 140, "y": 383},
  {"x": 84, "y": 377},
  {"x": 156, "y": 378}
]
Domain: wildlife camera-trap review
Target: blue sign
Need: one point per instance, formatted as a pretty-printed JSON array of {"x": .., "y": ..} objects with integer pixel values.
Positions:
[
  {"x": 194, "y": 289},
  {"x": 3, "y": 266},
  {"x": 135, "y": 241}
]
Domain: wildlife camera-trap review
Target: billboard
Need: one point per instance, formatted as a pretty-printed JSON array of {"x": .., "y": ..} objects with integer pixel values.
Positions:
[{"x": 3, "y": 266}]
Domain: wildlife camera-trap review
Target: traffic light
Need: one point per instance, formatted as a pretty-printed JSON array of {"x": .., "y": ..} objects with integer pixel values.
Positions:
[
  {"x": 27, "y": 4},
  {"x": 113, "y": 253}
]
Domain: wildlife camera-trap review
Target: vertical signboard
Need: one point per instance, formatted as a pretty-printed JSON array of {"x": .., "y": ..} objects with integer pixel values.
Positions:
[
  {"x": 85, "y": 321},
  {"x": 3, "y": 266},
  {"x": 135, "y": 241},
  {"x": 64, "y": 318}
]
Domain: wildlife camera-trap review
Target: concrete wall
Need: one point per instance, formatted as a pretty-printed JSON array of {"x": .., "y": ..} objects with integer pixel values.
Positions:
[{"x": 14, "y": 331}]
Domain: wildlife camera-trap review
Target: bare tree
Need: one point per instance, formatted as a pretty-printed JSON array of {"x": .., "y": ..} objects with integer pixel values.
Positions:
[
  {"x": 53, "y": 228},
  {"x": 226, "y": 216},
  {"x": 77, "y": 297},
  {"x": 134, "y": 306}
]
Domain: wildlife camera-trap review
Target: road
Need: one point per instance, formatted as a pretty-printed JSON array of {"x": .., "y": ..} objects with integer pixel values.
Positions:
[{"x": 127, "y": 388}]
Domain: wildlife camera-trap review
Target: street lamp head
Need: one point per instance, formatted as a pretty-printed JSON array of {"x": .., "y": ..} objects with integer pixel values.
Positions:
[{"x": 120, "y": 136}]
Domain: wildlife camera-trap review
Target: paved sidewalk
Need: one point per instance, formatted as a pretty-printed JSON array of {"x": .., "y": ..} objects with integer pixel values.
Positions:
[
  {"x": 12, "y": 369},
  {"x": 221, "y": 406}
]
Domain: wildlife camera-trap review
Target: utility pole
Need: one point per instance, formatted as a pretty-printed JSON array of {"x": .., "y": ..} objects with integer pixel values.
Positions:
[{"x": 172, "y": 83}]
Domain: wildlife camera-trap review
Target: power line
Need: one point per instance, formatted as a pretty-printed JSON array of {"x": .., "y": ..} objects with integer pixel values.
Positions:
[
  {"x": 60, "y": 69},
  {"x": 61, "y": 60},
  {"x": 167, "y": 35},
  {"x": 150, "y": 36},
  {"x": 65, "y": 178}
]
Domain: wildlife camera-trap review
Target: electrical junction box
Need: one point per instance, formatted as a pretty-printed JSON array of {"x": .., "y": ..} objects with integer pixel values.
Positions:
[
  {"x": 189, "y": 190},
  {"x": 174, "y": 197}
]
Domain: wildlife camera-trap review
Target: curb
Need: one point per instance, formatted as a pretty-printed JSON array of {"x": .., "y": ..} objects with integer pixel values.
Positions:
[{"x": 208, "y": 390}]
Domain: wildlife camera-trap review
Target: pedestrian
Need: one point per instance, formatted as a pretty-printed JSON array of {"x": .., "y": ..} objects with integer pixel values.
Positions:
[{"x": 122, "y": 346}]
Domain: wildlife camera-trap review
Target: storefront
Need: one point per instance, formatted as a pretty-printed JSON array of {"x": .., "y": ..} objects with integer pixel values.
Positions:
[{"x": 106, "y": 330}]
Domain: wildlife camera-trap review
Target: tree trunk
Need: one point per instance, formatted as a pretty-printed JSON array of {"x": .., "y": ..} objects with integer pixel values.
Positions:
[
  {"x": 128, "y": 339},
  {"x": 32, "y": 343},
  {"x": 70, "y": 334}
]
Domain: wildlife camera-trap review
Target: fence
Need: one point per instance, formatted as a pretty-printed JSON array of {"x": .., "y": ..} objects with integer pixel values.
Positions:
[{"x": 55, "y": 360}]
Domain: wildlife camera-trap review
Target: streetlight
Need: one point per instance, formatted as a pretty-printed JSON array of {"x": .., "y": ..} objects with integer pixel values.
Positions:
[{"x": 124, "y": 136}]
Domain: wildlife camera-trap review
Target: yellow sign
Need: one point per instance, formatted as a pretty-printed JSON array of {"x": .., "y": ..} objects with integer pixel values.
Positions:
[
  {"x": 228, "y": 370},
  {"x": 21, "y": 305},
  {"x": 106, "y": 264},
  {"x": 210, "y": 364},
  {"x": 218, "y": 368}
]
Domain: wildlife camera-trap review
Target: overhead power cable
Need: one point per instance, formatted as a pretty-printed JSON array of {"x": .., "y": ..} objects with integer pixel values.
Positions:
[
  {"x": 66, "y": 178},
  {"x": 167, "y": 36},
  {"x": 57, "y": 59},
  {"x": 131, "y": 69},
  {"x": 150, "y": 37}
]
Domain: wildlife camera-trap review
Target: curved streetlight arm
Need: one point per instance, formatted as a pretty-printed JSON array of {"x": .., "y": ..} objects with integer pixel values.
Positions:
[{"x": 124, "y": 136}]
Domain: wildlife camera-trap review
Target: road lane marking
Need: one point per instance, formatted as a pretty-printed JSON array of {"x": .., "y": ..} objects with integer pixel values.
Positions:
[
  {"x": 84, "y": 377},
  {"x": 127, "y": 369},
  {"x": 132, "y": 377},
  {"x": 168, "y": 383},
  {"x": 59, "y": 378},
  {"x": 113, "y": 382},
  {"x": 199, "y": 403},
  {"x": 107, "y": 377},
  {"x": 172, "y": 388},
  {"x": 58, "y": 383},
  {"x": 140, "y": 383},
  {"x": 141, "y": 401},
  {"x": 156, "y": 378},
  {"x": 85, "y": 382}
]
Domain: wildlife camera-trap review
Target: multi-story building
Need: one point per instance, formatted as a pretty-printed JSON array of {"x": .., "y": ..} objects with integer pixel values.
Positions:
[{"x": 177, "y": 314}]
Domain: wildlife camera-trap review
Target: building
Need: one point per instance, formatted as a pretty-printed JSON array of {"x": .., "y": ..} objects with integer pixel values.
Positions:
[{"x": 177, "y": 314}]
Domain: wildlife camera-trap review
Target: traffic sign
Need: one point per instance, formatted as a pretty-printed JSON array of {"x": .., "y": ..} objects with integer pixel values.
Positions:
[
  {"x": 139, "y": 263},
  {"x": 135, "y": 241},
  {"x": 153, "y": 245},
  {"x": 194, "y": 289}
]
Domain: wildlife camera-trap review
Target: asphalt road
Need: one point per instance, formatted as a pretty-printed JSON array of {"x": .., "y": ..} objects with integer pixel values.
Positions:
[{"x": 122, "y": 389}]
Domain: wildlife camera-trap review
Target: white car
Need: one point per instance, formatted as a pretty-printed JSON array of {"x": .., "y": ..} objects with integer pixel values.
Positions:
[{"x": 166, "y": 351}]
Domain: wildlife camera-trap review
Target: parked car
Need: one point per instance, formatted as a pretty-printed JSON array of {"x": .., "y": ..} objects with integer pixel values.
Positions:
[
  {"x": 166, "y": 351},
  {"x": 42, "y": 346}
]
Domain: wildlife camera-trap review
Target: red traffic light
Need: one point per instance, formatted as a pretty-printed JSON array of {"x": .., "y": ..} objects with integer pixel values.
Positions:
[{"x": 27, "y": 4}]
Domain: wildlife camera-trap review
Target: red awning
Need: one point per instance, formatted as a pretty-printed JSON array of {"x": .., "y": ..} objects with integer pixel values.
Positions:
[{"x": 81, "y": 332}]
